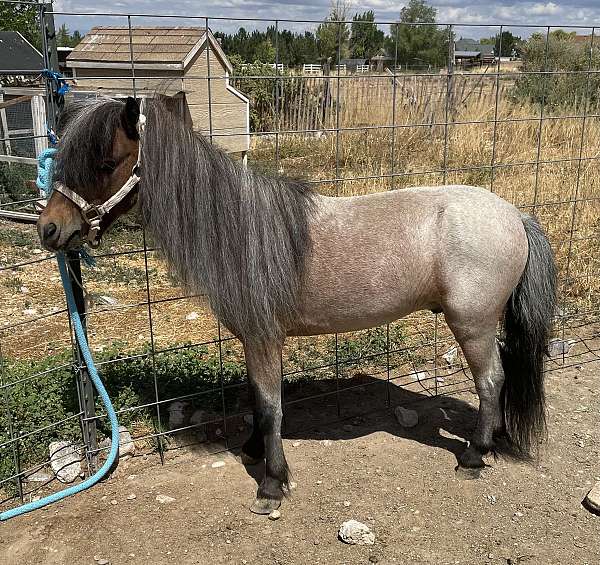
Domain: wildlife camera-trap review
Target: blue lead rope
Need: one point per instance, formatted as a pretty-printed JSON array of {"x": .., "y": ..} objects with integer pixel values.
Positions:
[{"x": 45, "y": 183}]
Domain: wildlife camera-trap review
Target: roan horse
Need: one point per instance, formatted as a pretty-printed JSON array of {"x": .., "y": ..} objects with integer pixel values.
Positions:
[{"x": 277, "y": 259}]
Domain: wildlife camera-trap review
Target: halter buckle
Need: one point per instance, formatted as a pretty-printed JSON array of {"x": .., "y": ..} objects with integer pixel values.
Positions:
[{"x": 92, "y": 214}]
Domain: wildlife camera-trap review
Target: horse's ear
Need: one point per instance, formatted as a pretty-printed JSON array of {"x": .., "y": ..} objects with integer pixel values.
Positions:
[{"x": 130, "y": 117}]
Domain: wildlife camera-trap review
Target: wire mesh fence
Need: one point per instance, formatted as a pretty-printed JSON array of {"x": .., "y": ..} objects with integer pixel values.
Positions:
[{"x": 176, "y": 375}]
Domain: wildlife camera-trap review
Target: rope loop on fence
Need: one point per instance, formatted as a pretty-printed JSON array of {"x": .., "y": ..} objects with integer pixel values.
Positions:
[{"x": 59, "y": 85}]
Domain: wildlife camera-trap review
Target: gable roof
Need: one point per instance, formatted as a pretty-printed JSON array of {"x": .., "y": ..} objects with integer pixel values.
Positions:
[
  {"x": 467, "y": 53},
  {"x": 171, "y": 48},
  {"x": 473, "y": 45},
  {"x": 18, "y": 56}
]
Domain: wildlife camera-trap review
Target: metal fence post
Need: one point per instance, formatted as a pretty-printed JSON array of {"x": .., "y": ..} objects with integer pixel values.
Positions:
[{"x": 85, "y": 388}]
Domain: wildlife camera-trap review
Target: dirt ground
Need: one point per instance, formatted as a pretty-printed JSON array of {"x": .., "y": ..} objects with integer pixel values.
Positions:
[{"x": 399, "y": 482}]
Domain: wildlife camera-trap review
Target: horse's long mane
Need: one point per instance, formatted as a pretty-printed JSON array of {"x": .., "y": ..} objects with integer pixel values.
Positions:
[{"x": 238, "y": 236}]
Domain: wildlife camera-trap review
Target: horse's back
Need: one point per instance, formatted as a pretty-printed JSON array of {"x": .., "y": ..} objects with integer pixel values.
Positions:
[{"x": 378, "y": 257}]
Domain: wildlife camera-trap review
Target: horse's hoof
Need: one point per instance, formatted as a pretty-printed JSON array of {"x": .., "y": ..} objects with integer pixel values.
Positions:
[
  {"x": 249, "y": 460},
  {"x": 265, "y": 506},
  {"x": 468, "y": 473}
]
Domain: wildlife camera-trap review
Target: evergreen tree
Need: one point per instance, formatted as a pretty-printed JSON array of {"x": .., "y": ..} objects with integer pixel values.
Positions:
[
  {"x": 63, "y": 37},
  {"x": 365, "y": 39},
  {"x": 417, "y": 44}
]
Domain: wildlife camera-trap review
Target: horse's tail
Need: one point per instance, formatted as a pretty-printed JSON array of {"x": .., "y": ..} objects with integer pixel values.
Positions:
[{"x": 527, "y": 323}]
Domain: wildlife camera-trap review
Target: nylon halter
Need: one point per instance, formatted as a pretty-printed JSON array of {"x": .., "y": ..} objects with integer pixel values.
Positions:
[{"x": 92, "y": 214}]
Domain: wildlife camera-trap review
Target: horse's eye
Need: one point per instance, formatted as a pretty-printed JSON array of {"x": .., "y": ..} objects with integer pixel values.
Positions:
[{"x": 108, "y": 166}]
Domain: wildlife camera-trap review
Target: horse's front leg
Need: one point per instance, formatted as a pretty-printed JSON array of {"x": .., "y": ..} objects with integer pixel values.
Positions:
[{"x": 264, "y": 371}]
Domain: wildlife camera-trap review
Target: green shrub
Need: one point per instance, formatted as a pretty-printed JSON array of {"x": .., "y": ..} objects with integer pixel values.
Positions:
[
  {"x": 35, "y": 404},
  {"x": 38, "y": 403},
  {"x": 13, "y": 181},
  {"x": 573, "y": 86},
  {"x": 137, "y": 380}
]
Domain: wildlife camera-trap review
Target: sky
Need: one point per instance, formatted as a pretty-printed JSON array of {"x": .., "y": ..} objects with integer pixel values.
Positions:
[{"x": 483, "y": 17}]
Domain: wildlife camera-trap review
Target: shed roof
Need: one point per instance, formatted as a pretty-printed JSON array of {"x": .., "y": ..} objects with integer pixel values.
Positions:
[
  {"x": 152, "y": 47},
  {"x": 467, "y": 53},
  {"x": 382, "y": 55},
  {"x": 18, "y": 56},
  {"x": 473, "y": 45}
]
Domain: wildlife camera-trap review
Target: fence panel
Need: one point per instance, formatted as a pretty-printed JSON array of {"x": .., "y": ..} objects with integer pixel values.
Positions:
[{"x": 176, "y": 375}]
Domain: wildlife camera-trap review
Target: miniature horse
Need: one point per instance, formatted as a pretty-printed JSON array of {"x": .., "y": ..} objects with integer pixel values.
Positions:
[{"x": 277, "y": 259}]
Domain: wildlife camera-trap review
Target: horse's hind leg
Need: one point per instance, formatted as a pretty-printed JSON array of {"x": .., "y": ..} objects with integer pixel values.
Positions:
[
  {"x": 264, "y": 372},
  {"x": 482, "y": 353}
]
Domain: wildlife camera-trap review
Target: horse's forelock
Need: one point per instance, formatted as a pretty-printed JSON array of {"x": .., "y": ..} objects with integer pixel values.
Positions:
[{"x": 86, "y": 130}]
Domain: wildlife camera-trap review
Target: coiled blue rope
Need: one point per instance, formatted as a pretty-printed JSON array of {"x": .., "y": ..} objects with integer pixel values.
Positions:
[{"x": 45, "y": 170}]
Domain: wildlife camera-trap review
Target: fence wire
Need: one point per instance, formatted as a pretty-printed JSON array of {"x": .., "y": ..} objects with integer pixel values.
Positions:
[{"x": 178, "y": 377}]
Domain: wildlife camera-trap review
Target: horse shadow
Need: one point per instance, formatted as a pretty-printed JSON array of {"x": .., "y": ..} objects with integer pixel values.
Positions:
[
  {"x": 356, "y": 407},
  {"x": 363, "y": 405}
]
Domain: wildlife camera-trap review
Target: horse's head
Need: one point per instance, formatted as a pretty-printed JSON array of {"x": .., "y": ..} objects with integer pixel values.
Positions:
[{"x": 97, "y": 156}]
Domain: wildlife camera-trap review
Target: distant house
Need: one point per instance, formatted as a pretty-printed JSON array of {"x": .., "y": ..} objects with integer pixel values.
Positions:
[
  {"x": 353, "y": 65},
  {"x": 381, "y": 61},
  {"x": 172, "y": 61},
  {"x": 20, "y": 62},
  {"x": 63, "y": 53},
  {"x": 469, "y": 53}
]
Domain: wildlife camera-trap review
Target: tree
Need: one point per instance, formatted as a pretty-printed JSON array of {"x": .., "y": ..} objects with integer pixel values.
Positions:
[
  {"x": 293, "y": 48},
  {"x": 505, "y": 46},
  {"x": 75, "y": 38},
  {"x": 415, "y": 43},
  {"x": 333, "y": 34},
  {"x": 63, "y": 37},
  {"x": 264, "y": 52},
  {"x": 365, "y": 39},
  {"x": 22, "y": 18}
]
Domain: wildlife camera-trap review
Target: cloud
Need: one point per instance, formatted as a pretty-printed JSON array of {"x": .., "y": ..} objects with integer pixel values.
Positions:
[
  {"x": 549, "y": 8},
  {"x": 478, "y": 19}
]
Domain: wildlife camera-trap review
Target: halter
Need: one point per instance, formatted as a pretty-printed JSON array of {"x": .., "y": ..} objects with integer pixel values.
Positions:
[{"x": 92, "y": 214}]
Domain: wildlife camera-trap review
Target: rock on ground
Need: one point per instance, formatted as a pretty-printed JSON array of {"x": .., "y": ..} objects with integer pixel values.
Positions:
[
  {"x": 356, "y": 533},
  {"x": 126, "y": 445},
  {"x": 65, "y": 460},
  {"x": 39, "y": 476},
  {"x": 451, "y": 355},
  {"x": 177, "y": 414},
  {"x": 406, "y": 418},
  {"x": 592, "y": 499},
  {"x": 164, "y": 499},
  {"x": 558, "y": 347},
  {"x": 419, "y": 376}
]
